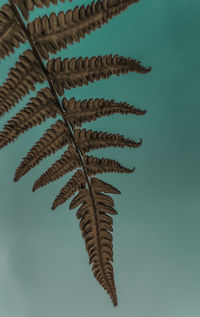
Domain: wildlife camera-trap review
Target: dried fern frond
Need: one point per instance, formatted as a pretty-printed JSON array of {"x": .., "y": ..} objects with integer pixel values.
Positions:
[
  {"x": 47, "y": 35},
  {"x": 27, "y": 5},
  {"x": 37, "y": 111},
  {"x": 100, "y": 186},
  {"x": 77, "y": 112},
  {"x": 96, "y": 226},
  {"x": 52, "y": 140},
  {"x": 95, "y": 165},
  {"x": 88, "y": 140},
  {"x": 52, "y": 33},
  {"x": 20, "y": 80},
  {"x": 70, "y": 73},
  {"x": 76, "y": 182},
  {"x": 11, "y": 32},
  {"x": 68, "y": 161},
  {"x": 81, "y": 111}
]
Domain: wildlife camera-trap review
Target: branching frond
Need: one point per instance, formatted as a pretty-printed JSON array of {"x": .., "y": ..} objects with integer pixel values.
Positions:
[
  {"x": 93, "y": 166},
  {"x": 70, "y": 73},
  {"x": 50, "y": 34},
  {"x": 68, "y": 161},
  {"x": 76, "y": 182},
  {"x": 20, "y": 80},
  {"x": 47, "y": 35},
  {"x": 91, "y": 140},
  {"x": 78, "y": 112},
  {"x": 96, "y": 165},
  {"x": 11, "y": 33},
  {"x": 38, "y": 110},
  {"x": 100, "y": 186},
  {"x": 54, "y": 139}
]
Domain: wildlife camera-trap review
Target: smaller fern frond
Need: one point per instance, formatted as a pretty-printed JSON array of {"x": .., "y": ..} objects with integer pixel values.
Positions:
[
  {"x": 68, "y": 161},
  {"x": 79, "y": 199},
  {"x": 78, "y": 112},
  {"x": 37, "y": 111},
  {"x": 100, "y": 186},
  {"x": 52, "y": 33},
  {"x": 96, "y": 226},
  {"x": 92, "y": 140},
  {"x": 20, "y": 80},
  {"x": 93, "y": 166},
  {"x": 28, "y": 5},
  {"x": 70, "y": 73},
  {"x": 96, "y": 165},
  {"x": 76, "y": 182},
  {"x": 51, "y": 141},
  {"x": 11, "y": 33}
]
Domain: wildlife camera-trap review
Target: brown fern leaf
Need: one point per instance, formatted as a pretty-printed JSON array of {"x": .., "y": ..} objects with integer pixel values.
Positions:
[
  {"x": 68, "y": 161},
  {"x": 88, "y": 140},
  {"x": 70, "y": 73},
  {"x": 95, "y": 165},
  {"x": 76, "y": 182},
  {"x": 56, "y": 32},
  {"x": 20, "y": 80},
  {"x": 54, "y": 138},
  {"x": 78, "y": 112},
  {"x": 96, "y": 226},
  {"x": 100, "y": 186},
  {"x": 48, "y": 35},
  {"x": 27, "y": 5},
  {"x": 11, "y": 33},
  {"x": 38, "y": 110}
]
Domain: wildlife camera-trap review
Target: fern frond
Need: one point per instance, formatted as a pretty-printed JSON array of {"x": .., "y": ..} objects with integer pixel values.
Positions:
[
  {"x": 54, "y": 138},
  {"x": 11, "y": 32},
  {"x": 96, "y": 226},
  {"x": 70, "y": 73},
  {"x": 78, "y": 112},
  {"x": 96, "y": 165},
  {"x": 76, "y": 182},
  {"x": 100, "y": 186},
  {"x": 93, "y": 166},
  {"x": 20, "y": 80},
  {"x": 47, "y": 35},
  {"x": 27, "y": 5},
  {"x": 50, "y": 34},
  {"x": 91, "y": 140},
  {"x": 38, "y": 110},
  {"x": 68, "y": 161}
]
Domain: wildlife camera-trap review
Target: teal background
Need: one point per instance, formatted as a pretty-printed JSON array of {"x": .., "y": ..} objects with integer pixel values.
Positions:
[{"x": 44, "y": 269}]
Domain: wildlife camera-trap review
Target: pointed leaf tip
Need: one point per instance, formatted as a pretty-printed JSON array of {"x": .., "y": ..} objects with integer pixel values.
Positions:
[
  {"x": 34, "y": 188},
  {"x": 15, "y": 179},
  {"x": 139, "y": 143},
  {"x": 133, "y": 169}
]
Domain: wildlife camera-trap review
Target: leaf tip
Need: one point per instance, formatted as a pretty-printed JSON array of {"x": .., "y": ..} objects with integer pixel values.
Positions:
[
  {"x": 16, "y": 177},
  {"x": 133, "y": 169},
  {"x": 34, "y": 188},
  {"x": 53, "y": 207}
]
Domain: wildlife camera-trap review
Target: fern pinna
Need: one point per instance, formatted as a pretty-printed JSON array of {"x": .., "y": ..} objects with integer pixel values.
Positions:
[{"x": 48, "y": 35}]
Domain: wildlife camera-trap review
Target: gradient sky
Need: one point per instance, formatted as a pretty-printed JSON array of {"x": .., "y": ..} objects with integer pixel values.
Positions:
[{"x": 44, "y": 269}]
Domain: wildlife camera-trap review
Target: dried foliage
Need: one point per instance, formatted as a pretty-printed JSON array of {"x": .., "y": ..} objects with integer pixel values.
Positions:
[
  {"x": 11, "y": 33},
  {"x": 27, "y": 5},
  {"x": 48, "y": 35},
  {"x": 74, "y": 72}
]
